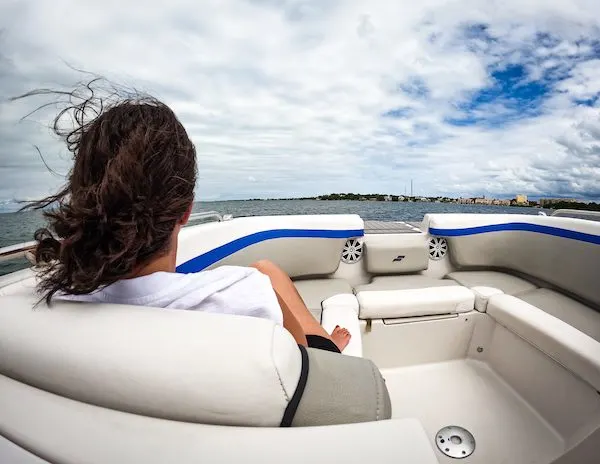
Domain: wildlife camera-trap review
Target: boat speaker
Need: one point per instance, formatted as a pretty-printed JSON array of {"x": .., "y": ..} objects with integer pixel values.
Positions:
[
  {"x": 438, "y": 247},
  {"x": 352, "y": 251}
]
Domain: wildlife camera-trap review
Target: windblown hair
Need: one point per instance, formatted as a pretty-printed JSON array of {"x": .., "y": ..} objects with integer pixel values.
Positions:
[{"x": 132, "y": 180}]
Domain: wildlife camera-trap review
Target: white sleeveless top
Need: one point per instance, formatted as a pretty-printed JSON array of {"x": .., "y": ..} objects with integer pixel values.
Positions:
[{"x": 242, "y": 291}]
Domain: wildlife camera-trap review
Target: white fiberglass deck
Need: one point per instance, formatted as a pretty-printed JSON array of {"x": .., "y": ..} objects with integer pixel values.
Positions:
[{"x": 469, "y": 394}]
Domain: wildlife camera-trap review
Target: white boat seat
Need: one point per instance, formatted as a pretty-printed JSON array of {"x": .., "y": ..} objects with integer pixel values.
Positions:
[
  {"x": 384, "y": 304},
  {"x": 509, "y": 284},
  {"x": 315, "y": 291},
  {"x": 404, "y": 282},
  {"x": 66, "y": 431},
  {"x": 18, "y": 283},
  {"x": 568, "y": 346},
  {"x": 186, "y": 366},
  {"x": 566, "y": 309}
]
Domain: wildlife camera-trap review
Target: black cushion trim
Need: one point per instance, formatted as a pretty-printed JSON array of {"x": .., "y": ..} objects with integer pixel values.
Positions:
[{"x": 292, "y": 407}]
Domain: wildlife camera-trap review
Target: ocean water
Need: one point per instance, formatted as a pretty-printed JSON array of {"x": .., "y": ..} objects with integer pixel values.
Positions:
[{"x": 19, "y": 227}]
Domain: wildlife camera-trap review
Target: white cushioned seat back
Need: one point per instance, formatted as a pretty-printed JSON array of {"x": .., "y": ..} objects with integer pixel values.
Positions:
[
  {"x": 396, "y": 253},
  {"x": 561, "y": 251},
  {"x": 173, "y": 364},
  {"x": 303, "y": 245},
  {"x": 18, "y": 283},
  {"x": 404, "y": 282}
]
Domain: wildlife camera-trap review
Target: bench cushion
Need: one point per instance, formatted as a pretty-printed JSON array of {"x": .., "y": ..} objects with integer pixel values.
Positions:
[
  {"x": 567, "y": 345},
  {"x": 509, "y": 284},
  {"x": 381, "y": 304},
  {"x": 315, "y": 291},
  {"x": 483, "y": 295},
  {"x": 566, "y": 309}
]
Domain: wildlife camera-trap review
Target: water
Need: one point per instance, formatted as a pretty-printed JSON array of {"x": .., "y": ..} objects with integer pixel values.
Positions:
[
  {"x": 19, "y": 227},
  {"x": 368, "y": 210}
]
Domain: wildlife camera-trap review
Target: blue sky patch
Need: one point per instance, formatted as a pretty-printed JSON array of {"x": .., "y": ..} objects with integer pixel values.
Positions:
[
  {"x": 521, "y": 79},
  {"x": 591, "y": 102},
  {"x": 399, "y": 113},
  {"x": 546, "y": 40},
  {"x": 511, "y": 96},
  {"x": 416, "y": 87}
]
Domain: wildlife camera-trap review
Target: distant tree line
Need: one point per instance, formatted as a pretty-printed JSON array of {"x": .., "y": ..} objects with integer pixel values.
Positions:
[
  {"x": 574, "y": 205},
  {"x": 379, "y": 197},
  {"x": 354, "y": 196}
]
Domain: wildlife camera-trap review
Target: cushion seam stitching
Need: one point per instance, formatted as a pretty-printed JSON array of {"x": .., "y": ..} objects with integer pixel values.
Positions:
[
  {"x": 377, "y": 390},
  {"x": 285, "y": 394}
]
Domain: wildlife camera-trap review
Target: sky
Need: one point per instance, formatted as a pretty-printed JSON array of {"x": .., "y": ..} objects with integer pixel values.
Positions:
[{"x": 290, "y": 98}]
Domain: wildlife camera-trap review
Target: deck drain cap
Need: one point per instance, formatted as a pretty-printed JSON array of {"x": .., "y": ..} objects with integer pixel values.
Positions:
[{"x": 455, "y": 441}]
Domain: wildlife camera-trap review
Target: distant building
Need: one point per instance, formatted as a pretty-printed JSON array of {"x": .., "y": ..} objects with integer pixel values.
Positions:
[
  {"x": 501, "y": 202},
  {"x": 388, "y": 198},
  {"x": 521, "y": 199},
  {"x": 482, "y": 201}
]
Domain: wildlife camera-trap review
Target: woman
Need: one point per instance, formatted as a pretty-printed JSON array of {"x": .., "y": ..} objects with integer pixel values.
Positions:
[{"x": 118, "y": 218}]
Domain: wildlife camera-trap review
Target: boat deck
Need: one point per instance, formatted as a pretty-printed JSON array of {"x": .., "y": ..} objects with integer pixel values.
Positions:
[
  {"x": 391, "y": 227},
  {"x": 469, "y": 394}
]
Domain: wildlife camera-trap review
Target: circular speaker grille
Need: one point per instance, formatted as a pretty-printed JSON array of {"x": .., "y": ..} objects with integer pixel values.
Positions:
[
  {"x": 438, "y": 247},
  {"x": 352, "y": 251}
]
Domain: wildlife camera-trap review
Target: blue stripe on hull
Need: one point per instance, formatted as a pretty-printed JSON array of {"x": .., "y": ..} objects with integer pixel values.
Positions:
[
  {"x": 517, "y": 226},
  {"x": 207, "y": 259}
]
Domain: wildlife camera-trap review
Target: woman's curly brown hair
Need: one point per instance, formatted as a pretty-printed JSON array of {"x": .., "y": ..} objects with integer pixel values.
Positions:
[{"x": 132, "y": 180}]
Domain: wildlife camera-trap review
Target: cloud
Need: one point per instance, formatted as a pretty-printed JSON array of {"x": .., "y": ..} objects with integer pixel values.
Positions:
[{"x": 286, "y": 98}]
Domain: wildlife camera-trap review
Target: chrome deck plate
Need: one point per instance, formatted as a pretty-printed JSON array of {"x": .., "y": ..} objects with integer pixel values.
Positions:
[{"x": 456, "y": 442}]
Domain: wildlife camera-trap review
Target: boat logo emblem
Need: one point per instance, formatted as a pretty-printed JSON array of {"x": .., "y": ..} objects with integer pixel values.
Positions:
[{"x": 398, "y": 258}]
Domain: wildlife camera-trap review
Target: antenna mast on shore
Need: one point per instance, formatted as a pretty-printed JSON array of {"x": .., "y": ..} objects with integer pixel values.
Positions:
[{"x": 411, "y": 188}]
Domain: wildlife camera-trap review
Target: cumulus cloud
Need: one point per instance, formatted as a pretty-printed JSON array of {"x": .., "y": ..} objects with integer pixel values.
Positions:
[{"x": 293, "y": 98}]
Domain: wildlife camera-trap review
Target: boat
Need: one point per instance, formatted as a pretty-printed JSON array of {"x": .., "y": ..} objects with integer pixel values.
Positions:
[{"x": 475, "y": 337}]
